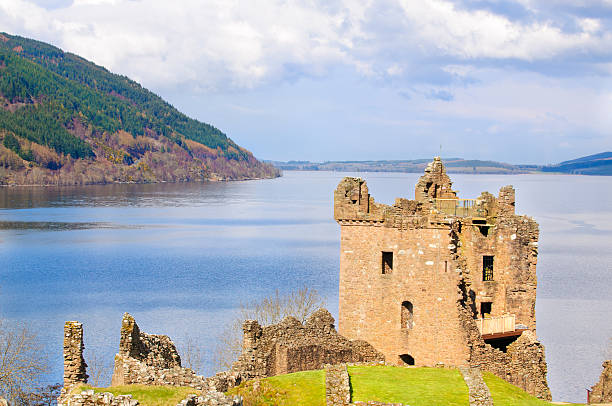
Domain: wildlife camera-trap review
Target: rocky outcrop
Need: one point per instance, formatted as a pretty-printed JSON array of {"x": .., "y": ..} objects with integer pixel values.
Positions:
[
  {"x": 601, "y": 392},
  {"x": 291, "y": 346}
]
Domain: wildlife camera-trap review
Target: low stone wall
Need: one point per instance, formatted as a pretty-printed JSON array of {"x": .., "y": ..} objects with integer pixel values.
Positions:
[
  {"x": 89, "y": 398},
  {"x": 478, "y": 389},
  {"x": 211, "y": 399},
  {"x": 601, "y": 392},
  {"x": 337, "y": 385},
  {"x": 291, "y": 346}
]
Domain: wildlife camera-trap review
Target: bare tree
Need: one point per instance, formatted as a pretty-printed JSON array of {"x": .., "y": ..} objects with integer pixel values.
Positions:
[
  {"x": 99, "y": 369},
  {"x": 22, "y": 360},
  {"x": 300, "y": 304},
  {"x": 192, "y": 355}
]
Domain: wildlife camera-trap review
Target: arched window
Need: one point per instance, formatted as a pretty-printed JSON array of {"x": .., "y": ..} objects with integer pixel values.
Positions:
[
  {"x": 407, "y": 359},
  {"x": 407, "y": 314}
]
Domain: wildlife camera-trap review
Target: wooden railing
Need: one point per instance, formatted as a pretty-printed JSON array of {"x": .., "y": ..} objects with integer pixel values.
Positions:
[
  {"x": 459, "y": 207},
  {"x": 497, "y": 324}
]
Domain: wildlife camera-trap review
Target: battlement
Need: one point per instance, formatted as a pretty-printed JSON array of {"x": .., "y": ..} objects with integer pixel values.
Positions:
[{"x": 435, "y": 202}]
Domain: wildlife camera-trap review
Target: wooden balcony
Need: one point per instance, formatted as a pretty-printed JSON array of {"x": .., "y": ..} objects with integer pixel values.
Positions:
[
  {"x": 498, "y": 327},
  {"x": 459, "y": 207}
]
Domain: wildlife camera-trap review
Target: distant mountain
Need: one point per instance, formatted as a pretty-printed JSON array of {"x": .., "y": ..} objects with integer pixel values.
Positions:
[
  {"x": 65, "y": 120},
  {"x": 453, "y": 165},
  {"x": 598, "y": 164}
]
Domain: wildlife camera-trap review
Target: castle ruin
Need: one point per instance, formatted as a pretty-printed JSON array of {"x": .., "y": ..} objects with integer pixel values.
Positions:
[{"x": 441, "y": 280}]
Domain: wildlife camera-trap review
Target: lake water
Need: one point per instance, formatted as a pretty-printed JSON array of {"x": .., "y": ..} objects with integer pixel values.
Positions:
[{"x": 181, "y": 257}]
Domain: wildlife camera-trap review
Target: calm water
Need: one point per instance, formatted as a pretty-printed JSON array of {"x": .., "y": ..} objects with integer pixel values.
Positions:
[{"x": 181, "y": 257}]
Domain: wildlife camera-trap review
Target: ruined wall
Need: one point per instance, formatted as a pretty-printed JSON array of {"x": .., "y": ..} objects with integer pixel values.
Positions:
[
  {"x": 150, "y": 360},
  {"x": 601, "y": 392},
  {"x": 291, "y": 346},
  {"x": 74, "y": 363}
]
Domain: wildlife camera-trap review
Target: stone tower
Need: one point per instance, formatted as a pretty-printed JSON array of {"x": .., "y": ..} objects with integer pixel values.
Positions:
[{"x": 438, "y": 279}]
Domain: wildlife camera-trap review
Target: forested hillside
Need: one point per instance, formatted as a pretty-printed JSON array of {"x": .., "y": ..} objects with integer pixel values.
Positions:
[{"x": 65, "y": 120}]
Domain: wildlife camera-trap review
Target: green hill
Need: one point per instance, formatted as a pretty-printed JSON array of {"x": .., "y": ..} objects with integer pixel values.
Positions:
[
  {"x": 597, "y": 164},
  {"x": 65, "y": 120}
]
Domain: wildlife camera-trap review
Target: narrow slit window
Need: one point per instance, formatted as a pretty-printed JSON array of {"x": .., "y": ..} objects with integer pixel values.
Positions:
[
  {"x": 387, "y": 262},
  {"x": 487, "y": 268}
]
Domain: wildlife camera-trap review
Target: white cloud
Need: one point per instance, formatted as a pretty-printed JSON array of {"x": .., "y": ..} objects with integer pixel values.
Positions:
[{"x": 225, "y": 44}]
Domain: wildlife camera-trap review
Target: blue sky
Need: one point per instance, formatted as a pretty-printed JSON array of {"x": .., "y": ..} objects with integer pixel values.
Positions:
[{"x": 524, "y": 81}]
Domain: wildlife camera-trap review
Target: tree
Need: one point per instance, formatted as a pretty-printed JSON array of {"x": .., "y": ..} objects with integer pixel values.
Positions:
[
  {"x": 192, "y": 355},
  {"x": 22, "y": 360},
  {"x": 99, "y": 369},
  {"x": 300, "y": 304}
]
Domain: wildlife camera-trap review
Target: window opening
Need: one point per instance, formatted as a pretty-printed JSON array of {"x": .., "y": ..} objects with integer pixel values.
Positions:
[
  {"x": 407, "y": 315},
  {"x": 487, "y": 268},
  {"x": 485, "y": 309},
  {"x": 387, "y": 262}
]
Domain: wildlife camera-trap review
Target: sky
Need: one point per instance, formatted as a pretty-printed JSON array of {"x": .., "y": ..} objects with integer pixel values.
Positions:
[{"x": 525, "y": 81}]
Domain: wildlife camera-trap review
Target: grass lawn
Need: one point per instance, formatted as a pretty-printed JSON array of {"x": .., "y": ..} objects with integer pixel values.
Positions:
[
  {"x": 505, "y": 394},
  {"x": 299, "y": 388},
  {"x": 148, "y": 395},
  {"x": 413, "y": 386}
]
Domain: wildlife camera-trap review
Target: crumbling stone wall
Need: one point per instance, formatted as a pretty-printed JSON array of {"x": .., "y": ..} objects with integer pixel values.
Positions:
[
  {"x": 74, "y": 363},
  {"x": 601, "y": 392},
  {"x": 150, "y": 360},
  {"x": 291, "y": 346},
  {"x": 436, "y": 280}
]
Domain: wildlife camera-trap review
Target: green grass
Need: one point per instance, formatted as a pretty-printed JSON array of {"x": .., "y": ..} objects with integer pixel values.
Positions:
[
  {"x": 505, "y": 394},
  {"x": 413, "y": 386},
  {"x": 148, "y": 395},
  {"x": 299, "y": 388}
]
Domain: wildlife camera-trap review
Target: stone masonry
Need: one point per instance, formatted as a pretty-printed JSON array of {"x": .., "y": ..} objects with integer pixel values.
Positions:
[
  {"x": 416, "y": 276},
  {"x": 150, "y": 359},
  {"x": 74, "y": 363},
  {"x": 479, "y": 394},
  {"x": 291, "y": 346},
  {"x": 337, "y": 385},
  {"x": 601, "y": 392}
]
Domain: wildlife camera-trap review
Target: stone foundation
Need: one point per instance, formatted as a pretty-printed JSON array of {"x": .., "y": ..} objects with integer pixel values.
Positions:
[
  {"x": 291, "y": 346},
  {"x": 337, "y": 385},
  {"x": 601, "y": 392}
]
